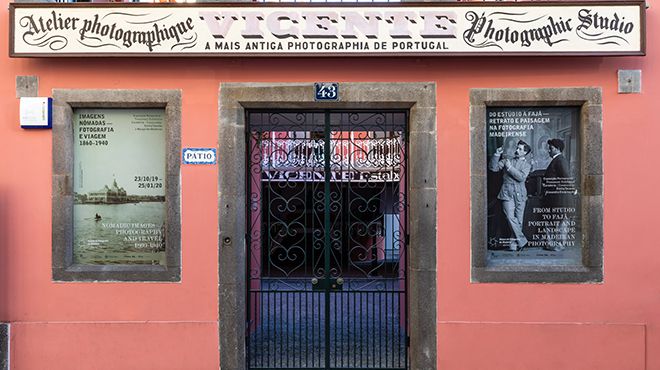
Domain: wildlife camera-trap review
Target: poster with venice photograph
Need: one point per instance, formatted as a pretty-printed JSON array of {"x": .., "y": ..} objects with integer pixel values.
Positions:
[
  {"x": 119, "y": 187},
  {"x": 533, "y": 183}
]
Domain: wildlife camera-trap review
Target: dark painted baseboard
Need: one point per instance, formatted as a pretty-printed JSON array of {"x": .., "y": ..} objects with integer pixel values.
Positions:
[{"x": 4, "y": 346}]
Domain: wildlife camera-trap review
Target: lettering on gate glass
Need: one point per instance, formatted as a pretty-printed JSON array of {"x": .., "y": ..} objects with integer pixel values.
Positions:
[
  {"x": 119, "y": 187},
  {"x": 533, "y": 185},
  {"x": 357, "y": 156}
]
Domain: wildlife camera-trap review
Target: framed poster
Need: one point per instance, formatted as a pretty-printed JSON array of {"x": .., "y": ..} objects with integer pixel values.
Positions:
[
  {"x": 533, "y": 177},
  {"x": 116, "y": 185},
  {"x": 119, "y": 194},
  {"x": 536, "y": 185}
]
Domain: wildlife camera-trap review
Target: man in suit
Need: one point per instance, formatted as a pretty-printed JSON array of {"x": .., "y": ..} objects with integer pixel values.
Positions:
[
  {"x": 558, "y": 167},
  {"x": 558, "y": 172},
  {"x": 513, "y": 193}
]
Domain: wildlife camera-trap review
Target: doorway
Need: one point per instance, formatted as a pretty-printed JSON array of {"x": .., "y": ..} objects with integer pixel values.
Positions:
[
  {"x": 326, "y": 239},
  {"x": 237, "y": 324}
]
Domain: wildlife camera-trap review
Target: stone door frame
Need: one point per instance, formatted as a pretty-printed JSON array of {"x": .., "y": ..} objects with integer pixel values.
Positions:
[{"x": 419, "y": 98}]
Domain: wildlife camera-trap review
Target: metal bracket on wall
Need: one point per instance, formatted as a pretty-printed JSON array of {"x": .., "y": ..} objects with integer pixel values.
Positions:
[
  {"x": 27, "y": 86},
  {"x": 630, "y": 81}
]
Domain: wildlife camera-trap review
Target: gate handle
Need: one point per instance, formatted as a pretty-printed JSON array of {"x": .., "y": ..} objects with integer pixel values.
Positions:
[
  {"x": 315, "y": 281},
  {"x": 340, "y": 281}
]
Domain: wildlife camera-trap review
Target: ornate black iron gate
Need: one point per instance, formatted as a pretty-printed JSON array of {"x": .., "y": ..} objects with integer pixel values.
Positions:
[{"x": 327, "y": 240}]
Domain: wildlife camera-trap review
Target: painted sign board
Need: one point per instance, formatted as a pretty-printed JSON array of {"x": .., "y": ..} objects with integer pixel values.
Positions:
[
  {"x": 269, "y": 29},
  {"x": 199, "y": 156}
]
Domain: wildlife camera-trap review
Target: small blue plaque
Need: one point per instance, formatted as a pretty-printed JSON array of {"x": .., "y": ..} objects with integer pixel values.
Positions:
[
  {"x": 199, "y": 156},
  {"x": 326, "y": 91}
]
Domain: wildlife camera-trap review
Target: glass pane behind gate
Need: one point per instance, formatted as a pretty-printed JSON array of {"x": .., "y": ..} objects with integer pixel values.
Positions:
[{"x": 327, "y": 286}]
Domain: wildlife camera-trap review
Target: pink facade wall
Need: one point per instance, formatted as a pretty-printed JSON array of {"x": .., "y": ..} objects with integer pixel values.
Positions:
[{"x": 614, "y": 325}]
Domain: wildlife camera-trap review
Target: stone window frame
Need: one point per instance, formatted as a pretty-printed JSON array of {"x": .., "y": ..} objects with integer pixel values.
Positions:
[
  {"x": 64, "y": 103},
  {"x": 419, "y": 98},
  {"x": 589, "y": 99}
]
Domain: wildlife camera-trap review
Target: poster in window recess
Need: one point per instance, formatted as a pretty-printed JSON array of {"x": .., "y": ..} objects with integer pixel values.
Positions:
[
  {"x": 533, "y": 186},
  {"x": 119, "y": 187}
]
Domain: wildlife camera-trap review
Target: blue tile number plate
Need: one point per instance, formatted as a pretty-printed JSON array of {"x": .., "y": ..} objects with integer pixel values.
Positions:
[{"x": 328, "y": 91}]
